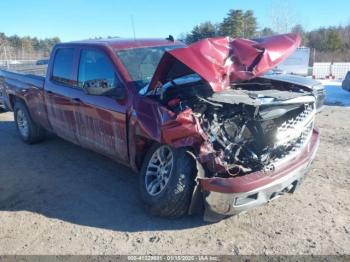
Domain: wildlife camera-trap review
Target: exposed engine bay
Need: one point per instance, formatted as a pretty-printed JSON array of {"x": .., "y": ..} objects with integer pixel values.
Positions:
[{"x": 251, "y": 126}]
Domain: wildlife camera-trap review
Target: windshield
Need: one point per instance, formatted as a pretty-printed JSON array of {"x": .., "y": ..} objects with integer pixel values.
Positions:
[{"x": 141, "y": 63}]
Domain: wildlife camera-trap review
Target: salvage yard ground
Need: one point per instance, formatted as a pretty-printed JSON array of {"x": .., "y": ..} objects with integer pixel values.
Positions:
[{"x": 57, "y": 198}]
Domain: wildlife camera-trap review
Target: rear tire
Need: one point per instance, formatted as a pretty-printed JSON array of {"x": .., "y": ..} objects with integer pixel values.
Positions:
[
  {"x": 172, "y": 178},
  {"x": 4, "y": 109},
  {"x": 29, "y": 131}
]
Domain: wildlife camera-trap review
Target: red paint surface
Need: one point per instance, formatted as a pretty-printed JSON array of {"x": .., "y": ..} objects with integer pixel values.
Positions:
[
  {"x": 220, "y": 61},
  {"x": 121, "y": 44}
]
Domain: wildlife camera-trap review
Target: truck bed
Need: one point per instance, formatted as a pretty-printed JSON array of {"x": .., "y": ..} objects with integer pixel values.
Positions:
[
  {"x": 21, "y": 78},
  {"x": 13, "y": 81},
  {"x": 32, "y": 69}
]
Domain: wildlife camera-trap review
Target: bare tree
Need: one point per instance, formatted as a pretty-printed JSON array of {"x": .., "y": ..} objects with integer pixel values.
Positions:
[
  {"x": 282, "y": 16},
  {"x": 4, "y": 52}
]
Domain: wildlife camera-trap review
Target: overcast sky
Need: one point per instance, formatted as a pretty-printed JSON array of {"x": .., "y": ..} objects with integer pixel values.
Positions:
[{"x": 79, "y": 19}]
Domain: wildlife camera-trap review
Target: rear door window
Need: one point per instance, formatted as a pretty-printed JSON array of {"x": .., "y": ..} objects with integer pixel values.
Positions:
[{"x": 63, "y": 66}]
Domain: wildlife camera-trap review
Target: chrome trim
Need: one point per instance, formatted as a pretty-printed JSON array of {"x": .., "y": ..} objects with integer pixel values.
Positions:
[
  {"x": 294, "y": 128},
  {"x": 219, "y": 204},
  {"x": 307, "y": 127}
]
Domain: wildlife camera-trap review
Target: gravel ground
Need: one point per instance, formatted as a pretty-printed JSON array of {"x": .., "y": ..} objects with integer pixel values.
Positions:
[{"x": 56, "y": 198}]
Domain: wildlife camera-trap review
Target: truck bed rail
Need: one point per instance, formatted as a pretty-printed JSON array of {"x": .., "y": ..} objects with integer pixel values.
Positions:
[{"x": 26, "y": 69}]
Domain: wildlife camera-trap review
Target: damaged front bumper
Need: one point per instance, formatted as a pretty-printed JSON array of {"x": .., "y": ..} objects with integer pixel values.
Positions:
[{"x": 230, "y": 196}]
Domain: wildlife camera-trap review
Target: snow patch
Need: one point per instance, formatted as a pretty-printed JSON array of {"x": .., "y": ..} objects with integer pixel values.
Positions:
[{"x": 335, "y": 95}]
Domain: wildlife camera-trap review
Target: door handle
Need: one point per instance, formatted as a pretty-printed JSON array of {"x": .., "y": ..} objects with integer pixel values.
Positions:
[
  {"x": 77, "y": 100},
  {"x": 49, "y": 92}
]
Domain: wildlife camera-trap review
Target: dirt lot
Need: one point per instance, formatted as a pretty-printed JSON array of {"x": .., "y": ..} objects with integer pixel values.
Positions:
[{"x": 56, "y": 198}]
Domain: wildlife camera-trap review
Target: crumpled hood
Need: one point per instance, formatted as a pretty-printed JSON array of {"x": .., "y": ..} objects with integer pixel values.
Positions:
[
  {"x": 294, "y": 79},
  {"x": 220, "y": 61}
]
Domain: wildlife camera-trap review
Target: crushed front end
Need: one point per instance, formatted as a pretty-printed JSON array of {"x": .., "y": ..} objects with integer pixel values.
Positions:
[
  {"x": 252, "y": 143},
  {"x": 256, "y": 152},
  {"x": 230, "y": 196},
  {"x": 253, "y": 139}
]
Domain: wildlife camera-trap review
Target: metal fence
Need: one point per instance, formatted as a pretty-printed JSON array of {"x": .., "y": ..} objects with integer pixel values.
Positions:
[
  {"x": 8, "y": 52},
  {"x": 339, "y": 70},
  {"x": 329, "y": 70},
  {"x": 24, "y": 66},
  {"x": 321, "y": 70},
  {"x": 5, "y": 63}
]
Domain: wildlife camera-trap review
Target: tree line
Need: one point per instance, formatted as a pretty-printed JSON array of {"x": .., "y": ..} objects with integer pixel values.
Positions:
[
  {"x": 328, "y": 44},
  {"x": 22, "y": 48},
  {"x": 15, "y": 47}
]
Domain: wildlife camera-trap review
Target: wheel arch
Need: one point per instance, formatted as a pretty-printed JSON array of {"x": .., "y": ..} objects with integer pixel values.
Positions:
[
  {"x": 147, "y": 144},
  {"x": 12, "y": 99}
]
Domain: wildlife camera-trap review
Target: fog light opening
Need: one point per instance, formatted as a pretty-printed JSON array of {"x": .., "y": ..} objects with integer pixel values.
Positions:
[{"x": 246, "y": 199}]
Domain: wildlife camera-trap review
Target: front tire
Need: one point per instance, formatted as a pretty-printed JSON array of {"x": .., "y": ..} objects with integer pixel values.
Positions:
[
  {"x": 29, "y": 131},
  {"x": 167, "y": 181}
]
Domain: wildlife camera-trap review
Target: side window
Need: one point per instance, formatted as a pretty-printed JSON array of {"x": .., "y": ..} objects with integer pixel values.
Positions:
[
  {"x": 95, "y": 65},
  {"x": 63, "y": 66}
]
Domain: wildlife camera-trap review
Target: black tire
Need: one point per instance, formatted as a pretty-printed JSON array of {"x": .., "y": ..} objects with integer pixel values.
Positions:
[
  {"x": 175, "y": 199},
  {"x": 35, "y": 133},
  {"x": 4, "y": 109}
]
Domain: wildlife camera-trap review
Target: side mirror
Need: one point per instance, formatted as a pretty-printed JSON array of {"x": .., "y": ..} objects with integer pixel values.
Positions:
[{"x": 99, "y": 87}]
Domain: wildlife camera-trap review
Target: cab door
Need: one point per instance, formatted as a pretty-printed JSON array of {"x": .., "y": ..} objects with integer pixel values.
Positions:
[
  {"x": 101, "y": 122},
  {"x": 61, "y": 93}
]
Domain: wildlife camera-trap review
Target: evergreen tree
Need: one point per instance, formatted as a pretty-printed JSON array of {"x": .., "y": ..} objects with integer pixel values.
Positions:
[
  {"x": 317, "y": 39},
  {"x": 249, "y": 24},
  {"x": 15, "y": 41},
  {"x": 266, "y": 31},
  {"x": 233, "y": 24},
  {"x": 17, "y": 47},
  {"x": 239, "y": 24},
  {"x": 201, "y": 31},
  {"x": 334, "y": 42}
]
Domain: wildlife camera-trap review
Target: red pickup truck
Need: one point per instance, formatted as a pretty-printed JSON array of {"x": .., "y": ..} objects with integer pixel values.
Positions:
[{"x": 200, "y": 123}]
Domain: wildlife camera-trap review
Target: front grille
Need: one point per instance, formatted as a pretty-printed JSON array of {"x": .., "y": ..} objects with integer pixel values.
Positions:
[
  {"x": 298, "y": 143},
  {"x": 293, "y": 128},
  {"x": 297, "y": 132}
]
